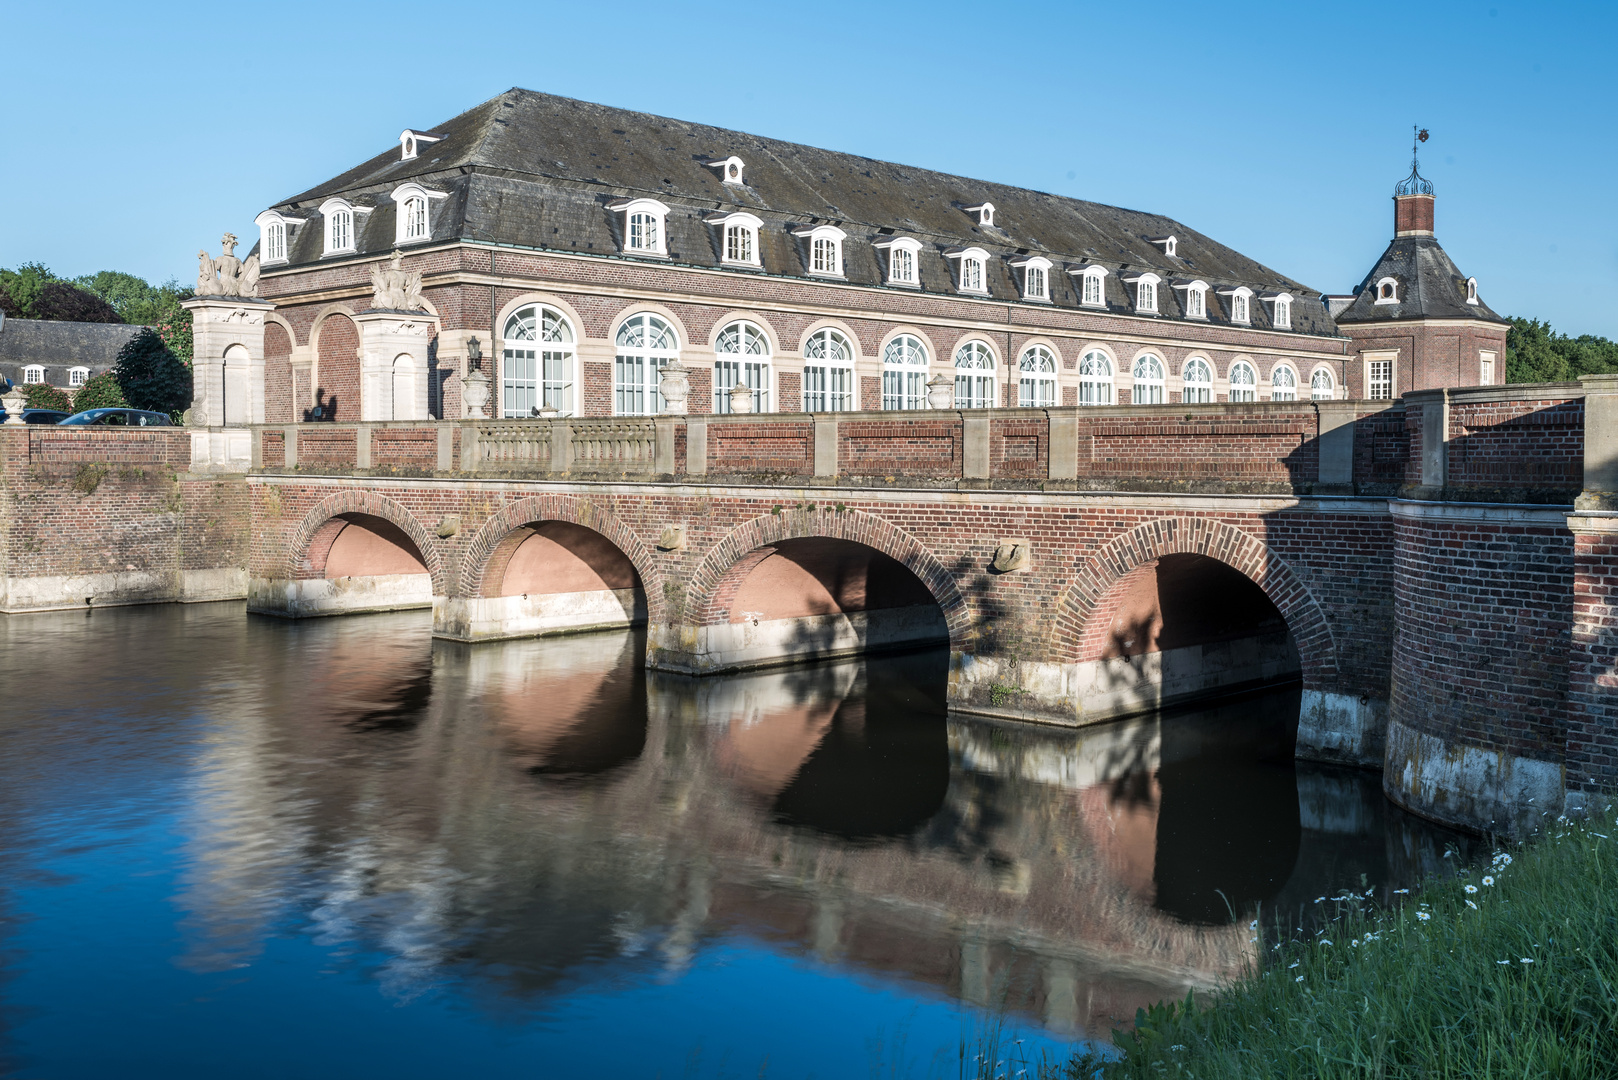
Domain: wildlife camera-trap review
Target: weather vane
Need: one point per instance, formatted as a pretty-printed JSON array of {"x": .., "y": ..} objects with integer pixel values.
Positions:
[{"x": 1420, "y": 137}]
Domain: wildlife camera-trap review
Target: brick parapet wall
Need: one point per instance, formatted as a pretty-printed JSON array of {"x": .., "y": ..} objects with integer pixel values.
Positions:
[{"x": 1592, "y": 724}]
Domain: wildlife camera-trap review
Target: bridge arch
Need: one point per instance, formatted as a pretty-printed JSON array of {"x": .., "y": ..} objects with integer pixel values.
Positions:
[
  {"x": 490, "y": 550},
  {"x": 1088, "y": 606},
  {"x": 725, "y": 566},
  {"x": 318, "y": 534}
]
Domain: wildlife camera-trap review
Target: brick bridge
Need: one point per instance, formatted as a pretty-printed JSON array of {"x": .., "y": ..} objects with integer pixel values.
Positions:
[{"x": 1420, "y": 565}]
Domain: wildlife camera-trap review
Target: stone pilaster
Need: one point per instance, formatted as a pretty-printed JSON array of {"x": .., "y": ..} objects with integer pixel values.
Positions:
[
  {"x": 227, "y": 369},
  {"x": 393, "y": 364}
]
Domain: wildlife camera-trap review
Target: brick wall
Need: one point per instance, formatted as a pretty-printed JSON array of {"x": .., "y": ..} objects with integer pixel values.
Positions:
[
  {"x": 279, "y": 407},
  {"x": 1592, "y": 725},
  {"x": 338, "y": 375}
]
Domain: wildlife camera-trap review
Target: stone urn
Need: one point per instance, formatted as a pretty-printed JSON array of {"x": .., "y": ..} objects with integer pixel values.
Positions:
[
  {"x": 674, "y": 383},
  {"x": 547, "y": 412},
  {"x": 475, "y": 394},
  {"x": 741, "y": 399},
  {"x": 15, "y": 402},
  {"x": 941, "y": 392}
]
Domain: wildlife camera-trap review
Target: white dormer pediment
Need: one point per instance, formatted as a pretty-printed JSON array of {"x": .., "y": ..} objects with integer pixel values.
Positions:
[
  {"x": 1169, "y": 245},
  {"x": 983, "y": 213},
  {"x": 411, "y": 142},
  {"x": 730, "y": 169}
]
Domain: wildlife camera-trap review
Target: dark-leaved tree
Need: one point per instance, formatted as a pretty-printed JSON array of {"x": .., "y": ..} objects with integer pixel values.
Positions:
[
  {"x": 64, "y": 302},
  {"x": 45, "y": 396},
  {"x": 101, "y": 392},
  {"x": 152, "y": 377},
  {"x": 1536, "y": 353}
]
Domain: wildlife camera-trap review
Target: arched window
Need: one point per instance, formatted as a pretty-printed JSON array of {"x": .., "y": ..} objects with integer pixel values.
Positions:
[
  {"x": 1283, "y": 313},
  {"x": 1036, "y": 280},
  {"x": 1283, "y": 384},
  {"x": 1092, "y": 287},
  {"x": 738, "y": 243},
  {"x": 974, "y": 376},
  {"x": 1196, "y": 382},
  {"x": 971, "y": 269},
  {"x": 1196, "y": 303},
  {"x": 33, "y": 374},
  {"x": 1387, "y": 291},
  {"x": 1243, "y": 382},
  {"x": 78, "y": 376},
  {"x": 645, "y": 344},
  {"x": 1322, "y": 387},
  {"x": 1238, "y": 308},
  {"x": 339, "y": 231},
  {"x": 828, "y": 372},
  {"x": 741, "y": 358},
  {"x": 902, "y": 255},
  {"x": 1471, "y": 290},
  {"x": 1036, "y": 377},
  {"x": 275, "y": 242},
  {"x": 538, "y": 368},
  {"x": 415, "y": 218},
  {"x": 643, "y": 225},
  {"x": 904, "y": 373},
  {"x": 971, "y": 274},
  {"x": 825, "y": 248},
  {"x": 1148, "y": 381},
  {"x": 1095, "y": 379},
  {"x": 644, "y": 234},
  {"x": 1146, "y": 293}
]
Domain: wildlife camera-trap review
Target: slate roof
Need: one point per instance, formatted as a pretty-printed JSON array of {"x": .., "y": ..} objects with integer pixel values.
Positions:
[
  {"x": 1430, "y": 287},
  {"x": 58, "y": 346},
  {"x": 536, "y": 170}
]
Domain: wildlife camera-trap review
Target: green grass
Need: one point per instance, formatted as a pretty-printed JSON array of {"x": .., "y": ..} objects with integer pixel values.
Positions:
[{"x": 1509, "y": 970}]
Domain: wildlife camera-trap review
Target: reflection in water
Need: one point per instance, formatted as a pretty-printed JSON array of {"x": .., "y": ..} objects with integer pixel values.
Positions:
[{"x": 538, "y": 838}]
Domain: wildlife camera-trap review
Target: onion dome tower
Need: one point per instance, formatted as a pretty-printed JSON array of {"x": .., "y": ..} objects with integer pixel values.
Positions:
[{"x": 1417, "y": 322}]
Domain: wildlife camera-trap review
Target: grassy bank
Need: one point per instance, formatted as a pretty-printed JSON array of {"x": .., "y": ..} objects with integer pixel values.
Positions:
[{"x": 1510, "y": 970}]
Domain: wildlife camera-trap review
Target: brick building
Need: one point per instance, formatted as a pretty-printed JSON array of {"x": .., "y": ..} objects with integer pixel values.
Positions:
[
  {"x": 62, "y": 354},
  {"x": 580, "y": 248}
]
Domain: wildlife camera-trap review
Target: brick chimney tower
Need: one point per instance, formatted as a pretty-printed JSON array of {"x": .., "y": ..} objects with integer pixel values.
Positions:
[{"x": 1413, "y": 200}]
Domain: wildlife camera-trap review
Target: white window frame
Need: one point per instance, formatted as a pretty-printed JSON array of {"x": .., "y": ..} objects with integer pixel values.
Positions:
[
  {"x": 1151, "y": 380},
  {"x": 971, "y": 270},
  {"x": 1322, "y": 384},
  {"x": 638, "y": 215},
  {"x": 1092, "y": 282},
  {"x": 1145, "y": 292},
  {"x": 1196, "y": 298},
  {"x": 904, "y": 260},
  {"x": 828, "y": 372},
  {"x": 1095, "y": 378},
  {"x": 905, "y": 361},
  {"x": 730, "y": 169},
  {"x": 1196, "y": 381},
  {"x": 984, "y": 213},
  {"x": 737, "y": 230},
  {"x": 1241, "y": 304},
  {"x": 77, "y": 377},
  {"x": 1036, "y": 378},
  {"x": 1036, "y": 277},
  {"x": 539, "y": 362},
  {"x": 413, "y": 229},
  {"x": 637, "y": 365},
  {"x": 1387, "y": 290},
  {"x": 743, "y": 355},
  {"x": 1472, "y": 291},
  {"x": 820, "y": 241},
  {"x": 274, "y": 237},
  {"x": 1381, "y": 375},
  {"x": 1242, "y": 381},
  {"x": 975, "y": 384},
  {"x": 341, "y": 219},
  {"x": 410, "y": 142},
  {"x": 33, "y": 375},
  {"x": 1486, "y": 366},
  {"x": 1283, "y": 383},
  {"x": 1169, "y": 244},
  {"x": 1280, "y": 310}
]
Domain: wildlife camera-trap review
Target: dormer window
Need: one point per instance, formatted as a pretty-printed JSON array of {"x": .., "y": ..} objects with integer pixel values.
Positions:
[
  {"x": 643, "y": 225},
  {"x": 1092, "y": 290},
  {"x": 730, "y": 169},
  {"x": 413, "y": 224},
  {"x": 984, "y": 213},
  {"x": 411, "y": 142},
  {"x": 273, "y": 233},
  {"x": 1036, "y": 280},
  {"x": 1241, "y": 303},
  {"x": 1387, "y": 291},
  {"x": 339, "y": 217},
  {"x": 33, "y": 374},
  {"x": 738, "y": 237},
  {"x": 1281, "y": 310},
  {"x": 903, "y": 253},
  {"x": 1145, "y": 292},
  {"x": 78, "y": 376},
  {"x": 1196, "y": 298},
  {"x": 1471, "y": 290},
  {"x": 1169, "y": 244},
  {"x": 971, "y": 269},
  {"x": 825, "y": 248}
]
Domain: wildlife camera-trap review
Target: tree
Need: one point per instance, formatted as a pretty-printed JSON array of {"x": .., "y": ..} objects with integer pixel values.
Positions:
[
  {"x": 1536, "y": 353},
  {"x": 44, "y": 396},
  {"x": 101, "y": 392},
  {"x": 22, "y": 287},
  {"x": 59, "y": 300},
  {"x": 137, "y": 301},
  {"x": 151, "y": 376}
]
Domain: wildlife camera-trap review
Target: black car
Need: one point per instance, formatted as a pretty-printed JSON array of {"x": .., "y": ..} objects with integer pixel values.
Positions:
[
  {"x": 119, "y": 418},
  {"x": 41, "y": 416}
]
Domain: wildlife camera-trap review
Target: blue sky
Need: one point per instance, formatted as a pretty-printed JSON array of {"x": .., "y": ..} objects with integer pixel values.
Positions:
[{"x": 138, "y": 134}]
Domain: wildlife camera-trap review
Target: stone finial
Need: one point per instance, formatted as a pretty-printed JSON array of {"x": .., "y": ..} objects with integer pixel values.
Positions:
[
  {"x": 1011, "y": 556},
  {"x": 741, "y": 399},
  {"x": 393, "y": 288},
  {"x": 15, "y": 402},
  {"x": 674, "y": 383},
  {"x": 941, "y": 392}
]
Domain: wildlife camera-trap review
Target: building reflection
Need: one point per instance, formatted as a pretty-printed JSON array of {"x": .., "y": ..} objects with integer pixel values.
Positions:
[{"x": 539, "y": 813}]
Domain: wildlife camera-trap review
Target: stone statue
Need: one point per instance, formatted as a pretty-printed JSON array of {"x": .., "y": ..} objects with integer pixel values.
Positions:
[
  {"x": 395, "y": 289},
  {"x": 227, "y": 275}
]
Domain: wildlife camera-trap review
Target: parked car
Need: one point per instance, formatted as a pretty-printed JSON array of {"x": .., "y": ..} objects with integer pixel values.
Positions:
[
  {"x": 41, "y": 416},
  {"x": 119, "y": 418}
]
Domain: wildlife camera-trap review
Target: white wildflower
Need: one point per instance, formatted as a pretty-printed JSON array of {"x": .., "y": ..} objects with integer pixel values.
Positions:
[
  {"x": 1471, "y": 888},
  {"x": 1298, "y": 979},
  {"x": 1487, "y": 880},
  {"x": 1325, "y": 941},
  {"x": 1473, "y": 906},
  {"x": 1177, "y": 1046},
  {"x": 1294, "y": 964},
  {"x": 1502, "y": 961},
  {"x": 1526, "y": 960},
  {"x": 1423, "y": 916}
]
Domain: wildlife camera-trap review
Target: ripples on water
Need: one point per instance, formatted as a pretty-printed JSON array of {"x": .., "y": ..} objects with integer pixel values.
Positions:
[{"x": 338, "y": 848}]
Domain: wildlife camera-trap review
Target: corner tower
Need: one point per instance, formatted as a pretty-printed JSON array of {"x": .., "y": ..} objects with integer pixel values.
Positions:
[{"x": 1416, "y": 321}]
